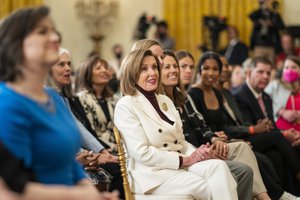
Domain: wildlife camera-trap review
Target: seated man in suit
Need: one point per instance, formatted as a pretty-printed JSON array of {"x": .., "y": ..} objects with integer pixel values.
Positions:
[
  {"x": 236, "y": 51},
  {"x": 235, "y": 127},
  {"x": 256, "y": 106}
]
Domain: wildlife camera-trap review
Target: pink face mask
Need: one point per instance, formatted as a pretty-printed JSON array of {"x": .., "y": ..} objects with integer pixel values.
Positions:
[{"x": 290, "y": 75}]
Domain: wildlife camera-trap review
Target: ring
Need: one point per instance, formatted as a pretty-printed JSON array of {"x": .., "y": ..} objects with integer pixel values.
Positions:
[{"x": 202, "y": 157}]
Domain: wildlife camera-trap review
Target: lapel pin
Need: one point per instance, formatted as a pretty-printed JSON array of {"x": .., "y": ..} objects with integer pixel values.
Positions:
[{"x": 164, "y": 107}]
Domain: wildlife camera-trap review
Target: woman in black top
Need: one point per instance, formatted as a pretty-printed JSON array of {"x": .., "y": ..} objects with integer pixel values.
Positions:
[{"x": 208, "y": 100}]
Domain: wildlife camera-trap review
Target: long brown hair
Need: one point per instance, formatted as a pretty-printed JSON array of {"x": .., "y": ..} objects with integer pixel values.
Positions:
[
  {"x": 14, "y": 29},
  {"x": 179, "y": 95},
  {"x": 181, "y": 54},
  {"x": 84, "y": 78}
]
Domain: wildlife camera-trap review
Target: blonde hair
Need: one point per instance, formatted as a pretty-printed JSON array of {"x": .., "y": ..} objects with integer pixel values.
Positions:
[
  {"x": 144, "y": 44},
  {"x": 131, "y": 69}
]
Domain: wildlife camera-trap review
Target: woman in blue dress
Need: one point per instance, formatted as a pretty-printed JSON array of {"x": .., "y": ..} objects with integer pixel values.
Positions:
[{"x": 34, "y": 123}]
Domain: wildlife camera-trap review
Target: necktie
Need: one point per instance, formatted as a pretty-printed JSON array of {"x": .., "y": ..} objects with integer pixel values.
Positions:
[{"x": 262, "y": 105}]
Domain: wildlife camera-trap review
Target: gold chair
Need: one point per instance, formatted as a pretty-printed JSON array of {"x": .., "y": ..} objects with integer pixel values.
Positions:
[
  {"x": 128, "y": 194},
  {"x": 122, "y": 162}
]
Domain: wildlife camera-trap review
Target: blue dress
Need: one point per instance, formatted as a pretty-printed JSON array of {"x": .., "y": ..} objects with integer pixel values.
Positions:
[{"x": 44, "y": 136}]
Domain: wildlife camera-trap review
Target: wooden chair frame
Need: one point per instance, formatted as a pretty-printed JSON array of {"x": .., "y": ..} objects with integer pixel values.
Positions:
[{"x": 122, "y": 162}]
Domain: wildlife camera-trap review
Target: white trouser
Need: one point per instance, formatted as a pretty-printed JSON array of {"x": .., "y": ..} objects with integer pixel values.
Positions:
[{"x": 205, "y": 180}]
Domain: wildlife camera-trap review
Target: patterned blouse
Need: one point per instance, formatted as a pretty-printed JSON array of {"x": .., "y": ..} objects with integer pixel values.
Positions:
[{"x": 100, "y": 114}]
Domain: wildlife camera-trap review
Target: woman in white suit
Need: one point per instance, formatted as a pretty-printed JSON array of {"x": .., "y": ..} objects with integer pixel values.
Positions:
[{"x": 160, "y": 161}]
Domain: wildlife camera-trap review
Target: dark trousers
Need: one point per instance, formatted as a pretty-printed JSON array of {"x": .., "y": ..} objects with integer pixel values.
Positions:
[
  {"x": 269, "y": 176},
  {"x": 281, "y": 153},
  {"x": 276, "y": 142},
  {"x": 117, "y": 180}
]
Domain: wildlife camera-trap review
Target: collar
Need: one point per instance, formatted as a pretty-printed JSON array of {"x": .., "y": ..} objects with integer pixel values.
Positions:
[
  {"x": 148, "y": 94},
  {"x": 145, "y": 106},
  {"x": 233, "y": 42},
  {"x": 256, "y": 95}
]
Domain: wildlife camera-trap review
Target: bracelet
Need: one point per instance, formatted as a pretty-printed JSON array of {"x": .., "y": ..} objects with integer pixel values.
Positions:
[{"x": 251, "y": 130}]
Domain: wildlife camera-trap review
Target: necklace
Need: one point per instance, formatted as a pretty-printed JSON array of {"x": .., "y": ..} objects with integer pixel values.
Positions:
[
  {"x": 101, "y": 100},
  {"x": 48, "y": 106}
]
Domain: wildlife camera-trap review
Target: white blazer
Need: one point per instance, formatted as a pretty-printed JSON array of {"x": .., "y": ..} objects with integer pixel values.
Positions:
[
  {"x": 153, "y": 145},
  {"x": 279, "y": 95}
]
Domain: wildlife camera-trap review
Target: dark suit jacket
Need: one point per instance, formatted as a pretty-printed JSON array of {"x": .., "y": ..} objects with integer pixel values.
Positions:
[
  {"x": 239, "y": 54},
  {"x": 268, "y": 143},
  {"x": 249, "y": 106},
  {"x": 235, "y": 128}
]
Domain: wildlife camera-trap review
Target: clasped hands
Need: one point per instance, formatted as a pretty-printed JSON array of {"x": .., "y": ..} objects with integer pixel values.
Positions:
[
  {"x": 263, "y": 126},
  {"x": 293, "y": 136},
  {"x": 292, "y": 116},
  {"x": 91, "y": 160},
  {"x": 218, "y": 150}
]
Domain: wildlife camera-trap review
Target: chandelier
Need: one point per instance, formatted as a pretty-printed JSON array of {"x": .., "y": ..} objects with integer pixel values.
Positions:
[{"x": 97, "y": 15}]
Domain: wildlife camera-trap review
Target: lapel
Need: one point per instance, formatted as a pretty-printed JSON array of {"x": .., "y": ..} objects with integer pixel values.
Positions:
[
  {"x": 233, "y": 105},
  {"x": 146, "y": 107}
]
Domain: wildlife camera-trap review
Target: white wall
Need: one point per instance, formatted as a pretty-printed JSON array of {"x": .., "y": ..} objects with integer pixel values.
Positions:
[
  {"x": 75, "y": 35},
  {"x": 291, "y": 13}
]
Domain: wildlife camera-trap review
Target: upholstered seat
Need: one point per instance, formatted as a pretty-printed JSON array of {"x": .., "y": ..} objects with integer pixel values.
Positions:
[{"x": 128, "y": 194}]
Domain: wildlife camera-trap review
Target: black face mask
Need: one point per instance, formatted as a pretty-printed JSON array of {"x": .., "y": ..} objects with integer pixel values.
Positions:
[
  {"x": 118, "y": 55},
  {"x": 162, "y": 35}
]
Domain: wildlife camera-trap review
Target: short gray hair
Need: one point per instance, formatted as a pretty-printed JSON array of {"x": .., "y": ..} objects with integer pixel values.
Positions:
[
  {"x": 63, "y": 50},
  {"x": 50, "y": 82}
]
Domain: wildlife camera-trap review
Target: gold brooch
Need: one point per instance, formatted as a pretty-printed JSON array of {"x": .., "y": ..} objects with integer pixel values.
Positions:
[{"x": 164, "y": 107}]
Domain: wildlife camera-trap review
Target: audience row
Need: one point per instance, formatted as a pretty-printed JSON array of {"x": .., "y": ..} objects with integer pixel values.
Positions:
[{"x": 191, "y": 140}]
